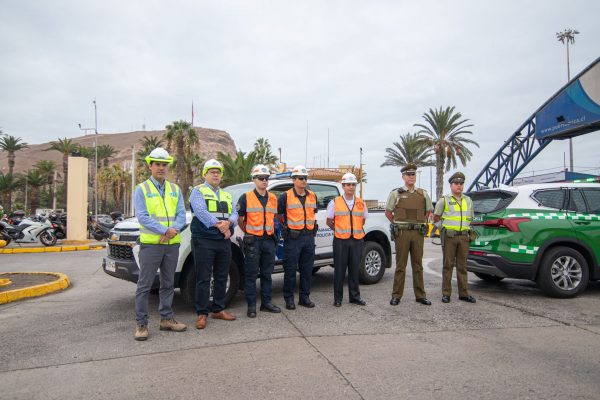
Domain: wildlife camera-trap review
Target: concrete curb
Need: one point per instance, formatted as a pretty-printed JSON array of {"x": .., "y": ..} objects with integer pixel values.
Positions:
[
  {"x": 62, "y": 282},
  {"x": 52, "y": 249}
]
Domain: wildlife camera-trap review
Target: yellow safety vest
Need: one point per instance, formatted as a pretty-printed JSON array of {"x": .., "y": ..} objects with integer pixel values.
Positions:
[
  {"x": 457, "y": 217},
  {"x": 220, "y": 209},
  {"x": 159, "y": 209}
]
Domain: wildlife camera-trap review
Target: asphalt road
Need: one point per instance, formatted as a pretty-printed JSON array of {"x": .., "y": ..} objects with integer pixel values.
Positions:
[{"x": 514, "y": 343}]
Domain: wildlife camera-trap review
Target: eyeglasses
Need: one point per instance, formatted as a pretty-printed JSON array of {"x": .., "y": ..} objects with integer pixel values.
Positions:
[
  {"x": 301, "y": 178},
  {"x": 262, "y": 178}
]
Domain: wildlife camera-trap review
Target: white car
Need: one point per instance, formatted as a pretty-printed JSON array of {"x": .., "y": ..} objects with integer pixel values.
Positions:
[{"x": 122, "y": 262}]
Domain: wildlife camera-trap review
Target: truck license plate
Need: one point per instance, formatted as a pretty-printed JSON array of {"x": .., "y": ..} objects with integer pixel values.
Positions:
[{"x": 110, "y": 266}]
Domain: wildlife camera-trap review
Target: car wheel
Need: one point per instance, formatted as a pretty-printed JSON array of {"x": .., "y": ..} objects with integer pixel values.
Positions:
[
  {"x": 563, "y": 273},
  {"x": 373, "y": 264},
  {"x": 188, "y": 284},
  {"x": 488, "y": 277}
]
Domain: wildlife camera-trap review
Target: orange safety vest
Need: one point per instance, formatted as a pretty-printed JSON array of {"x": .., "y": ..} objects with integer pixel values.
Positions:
[
  {"x": 348, "y": 222},
  {"x": 300, "y": 216},
  {"x": 260, "y": 219}
]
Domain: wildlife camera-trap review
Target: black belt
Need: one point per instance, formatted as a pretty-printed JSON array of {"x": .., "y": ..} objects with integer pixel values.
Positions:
[{"x": 410, "y": 227}]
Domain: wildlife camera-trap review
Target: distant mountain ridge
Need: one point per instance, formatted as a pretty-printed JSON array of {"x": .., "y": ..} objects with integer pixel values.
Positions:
[{"x": 210, "y": 142}]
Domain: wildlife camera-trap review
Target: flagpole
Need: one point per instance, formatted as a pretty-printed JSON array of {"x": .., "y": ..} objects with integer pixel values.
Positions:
[{"x": 192, "y": 114}]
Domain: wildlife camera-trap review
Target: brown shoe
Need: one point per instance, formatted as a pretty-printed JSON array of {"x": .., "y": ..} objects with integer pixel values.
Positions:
[
  {"x": 223, "y": 315},
  {"x": 141, "y": 332},
  {"x": 172, "y": 325},
  {"x": 201, "y": 321}
]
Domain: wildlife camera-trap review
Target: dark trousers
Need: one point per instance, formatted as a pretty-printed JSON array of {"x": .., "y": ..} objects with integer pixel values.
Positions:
[
  {"x": 298, "y": 254},
  {"x": 456, "y": 250},
  {"x": 346, "y": 255},
  {"x": 211, "y": 259},
  {"x": 259, "y": 258},
  {"x": 409, "y": 242},
  {"x": 155, "y": 257}
]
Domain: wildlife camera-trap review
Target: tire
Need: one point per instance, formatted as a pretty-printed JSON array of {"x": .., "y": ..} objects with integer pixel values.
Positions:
[
  {"x": 488, "y": 277},
  {"x": 188, "y": 283},
  {"x": 373, "y": 262},
  {"x": 315, "y": 270},
  {"x": 563, "y": 273},
  {"x": 47, "y": 238}
]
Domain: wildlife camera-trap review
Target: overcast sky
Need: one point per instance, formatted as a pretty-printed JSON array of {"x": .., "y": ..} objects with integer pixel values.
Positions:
[{"x": 365, "y": 70}]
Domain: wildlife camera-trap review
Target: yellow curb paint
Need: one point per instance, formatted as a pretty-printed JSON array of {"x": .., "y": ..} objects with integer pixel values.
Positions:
[
  {"x": 97, "y": 247},
  {"x": 52, "y": 249},
  {"x": 6, "y": 251},
  {"x": 23, "y": 250},
  {"x": 84, "y": 247},
  {"x": 69, "y": 248},
  {"x": 62, "y": 282},
  {"x": 5, "y": 282}
]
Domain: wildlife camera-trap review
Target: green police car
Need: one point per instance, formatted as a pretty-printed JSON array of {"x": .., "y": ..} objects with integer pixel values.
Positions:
[{"x": 548, "y": 233}]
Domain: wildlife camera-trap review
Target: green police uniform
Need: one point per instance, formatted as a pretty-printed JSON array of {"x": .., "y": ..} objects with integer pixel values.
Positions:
[{"x": 456, "y": 215}]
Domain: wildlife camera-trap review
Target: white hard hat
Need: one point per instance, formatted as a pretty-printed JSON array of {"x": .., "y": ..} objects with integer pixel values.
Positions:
[
  {"x": 349, "y": 177},
  {"x": 159, "y": 155},
  {"x": 259, "y": 170},
  {"x": 299, "y": 170},
  {"x": 212, "y": 164}
]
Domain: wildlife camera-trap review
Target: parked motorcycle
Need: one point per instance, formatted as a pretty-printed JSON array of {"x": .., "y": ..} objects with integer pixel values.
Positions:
[
  {"x": 101, "y": 228},
  {"x": 29, "y": 231},
  {"x": 59, "y": 225}
]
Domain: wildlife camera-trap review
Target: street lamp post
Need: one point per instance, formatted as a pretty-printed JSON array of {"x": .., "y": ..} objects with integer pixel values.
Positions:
[
  {"x": 95, "y": 129},
  {"x": 565, "y": 37}
]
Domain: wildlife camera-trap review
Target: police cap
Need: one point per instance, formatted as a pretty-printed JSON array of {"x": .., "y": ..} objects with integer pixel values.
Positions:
[
  {"x": 410, "y": 167},
  {"x": 457, "y": 177}
]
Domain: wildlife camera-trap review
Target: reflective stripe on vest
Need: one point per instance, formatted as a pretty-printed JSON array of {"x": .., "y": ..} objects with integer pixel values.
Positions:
[
  {"x": 219, "y": 207},
  {"x": 457, "y": 216},
  {"x": 260, "y": 219},
  {"x": 301, "y": 216},
  {"x": 160, "y": 209},
  {"x": 348, "y": 222}
]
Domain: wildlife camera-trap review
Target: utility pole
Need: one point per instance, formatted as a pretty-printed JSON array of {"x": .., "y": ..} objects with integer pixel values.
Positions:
[
  {"x": 306, "y": 148},
  {"x": 565, "y": 37},
  {"x": 133, "y": 183},
  {"x": 360, "y": 173}
]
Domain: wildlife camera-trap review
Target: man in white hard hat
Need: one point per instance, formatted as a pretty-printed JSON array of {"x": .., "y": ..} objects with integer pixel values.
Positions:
[
  {"x": 256, "y": 210},
  {"x": 296, "y": 211},
  {"x": 160, "y": 211},
  {"x": 211, "y": 227},
  {"x": 346, "y": 216}
]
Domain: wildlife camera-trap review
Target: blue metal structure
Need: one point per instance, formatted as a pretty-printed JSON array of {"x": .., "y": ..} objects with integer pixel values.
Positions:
[{"x": 574, "y": 110}]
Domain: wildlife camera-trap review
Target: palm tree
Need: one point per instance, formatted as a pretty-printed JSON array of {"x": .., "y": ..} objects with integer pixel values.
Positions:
[
  {"x": 46, "y": 168},
  {"x": 443, "y": 133},
  {"x": 149, "y": 143},
  {"x": 182, "y": 135},
  {"x": 11, "y": 145},
  {"x": 34, "y": 179},
  {"x": 64, "y": 146},
  {"x": 236, "y": 170},
  {"x": 8, "y": 184},
  {"x": 262, "y": 152},
  {"x": 409, "y": 150},
  {"x": 112, "y": 182},
  {"x": 105, "y": 152}
]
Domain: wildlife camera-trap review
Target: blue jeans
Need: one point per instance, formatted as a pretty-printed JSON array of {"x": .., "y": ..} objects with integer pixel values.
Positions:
[
  {"x": 211, "y": 258},
  {"x": 259, "y": 258},
  {"x": 298, "y": 254}
]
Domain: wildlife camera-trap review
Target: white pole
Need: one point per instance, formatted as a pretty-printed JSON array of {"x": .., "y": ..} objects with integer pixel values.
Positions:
[
  {"x": 96, "y": 160},
  {"x": 132, "y": 208}
]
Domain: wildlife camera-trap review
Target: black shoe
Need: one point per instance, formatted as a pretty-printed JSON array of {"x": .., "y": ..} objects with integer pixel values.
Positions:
[
  {"x": 359, "y": 302},
  {"x": 394, "y": 301},
  {"x": 337, "y": 303},
  {"x": 289, "y": 305},
  {"x": 445, "y": 299},
  {"x": 468, "y": 299},
  {"x": 306, "y": 303},
  {"x": 423, "y": 301},
  {"x": 251, "y": 311},
  {"x": 270, "y": 307}
]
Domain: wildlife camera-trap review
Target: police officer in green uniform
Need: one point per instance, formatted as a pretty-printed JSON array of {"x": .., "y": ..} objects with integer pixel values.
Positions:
[
  {"x": 455, "y": 211},
  {"x": 408, "y": 209}
]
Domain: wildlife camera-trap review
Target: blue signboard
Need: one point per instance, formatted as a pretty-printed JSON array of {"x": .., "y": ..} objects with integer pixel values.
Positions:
[{"x": 574, "y": 110}]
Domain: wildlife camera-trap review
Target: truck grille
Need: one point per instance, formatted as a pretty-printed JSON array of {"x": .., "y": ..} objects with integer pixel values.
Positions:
[{"x": 120, "y": 252}]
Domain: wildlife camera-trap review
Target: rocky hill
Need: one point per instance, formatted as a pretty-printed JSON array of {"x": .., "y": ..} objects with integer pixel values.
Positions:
[{"x": 211, "y": 141}]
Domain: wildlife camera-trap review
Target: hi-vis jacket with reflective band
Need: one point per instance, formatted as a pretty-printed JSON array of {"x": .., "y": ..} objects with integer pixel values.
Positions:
[
  {"x": 349, "y": 222},
  {"x": 220, "y": 209},
  {"x": 160, "y": 209},
  {"x": 260, "y": 219},
  {"x": 300, "y": 216},
  {"x": 457, "y": 216}
]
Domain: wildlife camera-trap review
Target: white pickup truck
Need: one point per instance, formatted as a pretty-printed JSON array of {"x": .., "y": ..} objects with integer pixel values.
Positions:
[{"x": 122, "y": 261}]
